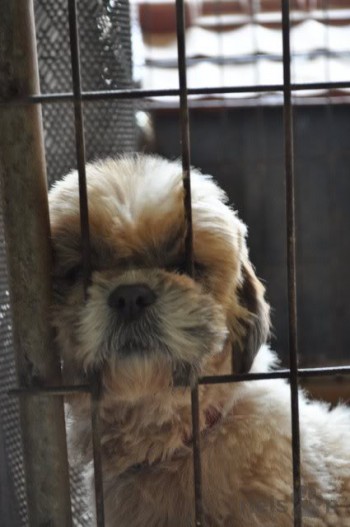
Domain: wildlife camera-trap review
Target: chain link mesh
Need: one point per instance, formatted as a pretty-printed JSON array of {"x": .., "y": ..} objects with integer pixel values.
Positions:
[{"x": 106, "y": 63}]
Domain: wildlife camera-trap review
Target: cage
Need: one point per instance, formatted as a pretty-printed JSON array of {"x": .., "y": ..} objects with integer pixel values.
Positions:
[{"x": 240, "y": 75}]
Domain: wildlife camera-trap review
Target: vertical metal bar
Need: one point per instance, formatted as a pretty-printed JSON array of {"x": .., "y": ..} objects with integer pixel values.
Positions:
[
  {"x": 334, "y": 239},
  {"x": 79, "y": 139},
  {"x": 185, "y": 131},
  {"x": 85, "y": 241},
  {"x": 291, "y": 260},
  {"x": 186, "y": 162},
  {"x": 196, "y": 458},
  {"x": 27, "y": 232},
  {"x": 96, "y": 443}
]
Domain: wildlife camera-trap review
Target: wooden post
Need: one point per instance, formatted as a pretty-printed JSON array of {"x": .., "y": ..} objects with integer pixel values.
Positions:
[{"x": 27, "y": 234}]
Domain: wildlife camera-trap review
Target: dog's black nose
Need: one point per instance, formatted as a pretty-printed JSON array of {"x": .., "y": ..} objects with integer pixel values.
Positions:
[{"x": 131, "y": 300}]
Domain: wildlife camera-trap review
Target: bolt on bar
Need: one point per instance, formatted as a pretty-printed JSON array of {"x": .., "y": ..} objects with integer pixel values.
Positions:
[
  {"x": 29, "y": 261},
  {"x": 186, "y": 162},
  {"x": 85, "y": 241},
  {"x": 291, "y": 260}
]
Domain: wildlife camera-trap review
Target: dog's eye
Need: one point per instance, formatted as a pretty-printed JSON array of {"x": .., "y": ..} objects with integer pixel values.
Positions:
[
  {"x": 73, "y": 274},
  {"x": 64, "y": 280}
]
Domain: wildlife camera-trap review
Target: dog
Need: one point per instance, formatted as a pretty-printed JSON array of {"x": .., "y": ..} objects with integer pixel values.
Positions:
[{"x": 148, "y": 330}]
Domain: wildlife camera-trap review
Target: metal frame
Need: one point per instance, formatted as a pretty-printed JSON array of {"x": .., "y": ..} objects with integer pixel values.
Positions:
[{"x": 78, "y": 97}]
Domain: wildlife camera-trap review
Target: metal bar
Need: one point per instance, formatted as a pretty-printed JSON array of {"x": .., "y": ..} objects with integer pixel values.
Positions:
[
  {"x": 88, "y": 96},
  {"x": 337, "y": 371},
  {"x": 279, "y": 374},
  {"x": 85, "y": 241},
  {"x": 96, "y": 445},
  {"x": 80, "y": 140},
  {"x": 197, "y": 468},
  {"x": 185, "y": 134},
  {"x": 51, "y": 390},
  {"x": 291, "y": 261},
  {"x": 334, "y": 277},
  {"x": 27, "y": 233},
  {"x": 186, "y": 162}
]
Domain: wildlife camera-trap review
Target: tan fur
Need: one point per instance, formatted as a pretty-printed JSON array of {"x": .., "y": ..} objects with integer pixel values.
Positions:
[{"x": 198, "y": 326}]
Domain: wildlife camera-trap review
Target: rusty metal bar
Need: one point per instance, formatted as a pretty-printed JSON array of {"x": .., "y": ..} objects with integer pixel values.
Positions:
[
  {"x": 291, "y": 261},
  {"x": 185, "y": 133},
  {"x": 27, "y": 234},
  {"x": 96, "y": 444},
  {"x": 336, "y": 371},
  {"x": 196, "y": 458},
  {"x": 278, "y": 374},
  {"x": 88, "y": 96},
  {"x": 85, "y": 244},
  {"x": 51, "y": 390},
  {"x": 80, "y": 141},
  {"x": 186, "y": 162}
]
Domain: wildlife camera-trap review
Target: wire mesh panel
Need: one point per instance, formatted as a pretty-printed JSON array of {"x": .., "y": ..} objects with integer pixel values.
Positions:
[
  {"x": 10, "y": 434},
  {"x": 106, "y": 63}
]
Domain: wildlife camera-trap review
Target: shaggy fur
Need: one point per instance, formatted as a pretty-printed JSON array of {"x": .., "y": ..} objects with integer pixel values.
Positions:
[{"x": 209, "y": 324}]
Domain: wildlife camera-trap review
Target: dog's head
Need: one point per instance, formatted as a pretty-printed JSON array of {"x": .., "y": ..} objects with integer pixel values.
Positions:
[{"x": 145, "y": 324}]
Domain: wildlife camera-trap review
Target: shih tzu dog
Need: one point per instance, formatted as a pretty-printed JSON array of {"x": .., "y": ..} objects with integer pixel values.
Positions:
[{"x": 149, "y": 330}]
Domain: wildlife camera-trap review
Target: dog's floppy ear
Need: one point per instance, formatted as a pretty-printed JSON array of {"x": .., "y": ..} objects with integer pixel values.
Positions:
[{"x": 253, "y": 322}]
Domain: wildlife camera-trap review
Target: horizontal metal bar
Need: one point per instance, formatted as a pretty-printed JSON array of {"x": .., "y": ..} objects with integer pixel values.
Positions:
[
  {"x": 52, "y": 390},
  {"x": 323, "y": 372},
  {"x": 212, "y": 379},
  {"x": 277, "y": 374},
  {"x": 47, "y": 98}
]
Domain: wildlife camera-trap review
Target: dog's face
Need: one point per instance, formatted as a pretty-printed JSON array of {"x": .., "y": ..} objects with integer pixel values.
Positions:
[{"x": 145, "y": 324}]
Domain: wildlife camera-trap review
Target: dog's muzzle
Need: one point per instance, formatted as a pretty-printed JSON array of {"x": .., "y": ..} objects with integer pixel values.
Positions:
[
  {"x": 131, "y": 301},
  {"x": 151, "y": 314}
]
